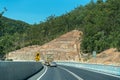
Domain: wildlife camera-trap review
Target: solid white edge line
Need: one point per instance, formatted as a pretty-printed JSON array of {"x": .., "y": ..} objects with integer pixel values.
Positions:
[
  {"x": 79, "y": 78},
  {"x": 42, "y": 74},
  {"x": 97, "y": 71},
  {"x": 100, "y": 72}
]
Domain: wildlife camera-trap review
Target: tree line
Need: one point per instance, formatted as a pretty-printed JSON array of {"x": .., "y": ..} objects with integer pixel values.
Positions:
[{"x": 99, "y": 21}]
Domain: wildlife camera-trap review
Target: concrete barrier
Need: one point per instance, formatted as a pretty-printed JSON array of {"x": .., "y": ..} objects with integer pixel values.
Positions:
[
  {"x": 18, "y": 70},
  {"x": 103, "y": 68}
]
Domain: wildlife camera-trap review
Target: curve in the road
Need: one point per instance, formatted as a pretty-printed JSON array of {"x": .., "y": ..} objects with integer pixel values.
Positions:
[
  {"x": 71, "y": 73},
  {"x": 57, "y": 73},
  {"x": 43, "y": 73},
  {"x": 90, "y": 75}
]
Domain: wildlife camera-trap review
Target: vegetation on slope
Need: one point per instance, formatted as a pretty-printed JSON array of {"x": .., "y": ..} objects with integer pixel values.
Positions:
[
  {"x": 11, "y": 34},
  {"x": 100, "y": 23}
]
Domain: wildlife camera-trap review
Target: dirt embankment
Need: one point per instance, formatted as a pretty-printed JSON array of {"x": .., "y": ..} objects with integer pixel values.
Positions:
[
  {"x": 110, "y": 57},
  {"x": 26, "y": 53}
]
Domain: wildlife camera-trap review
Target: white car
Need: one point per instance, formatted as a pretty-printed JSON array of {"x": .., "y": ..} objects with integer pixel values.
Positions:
[{"x": 53, "y": 64}]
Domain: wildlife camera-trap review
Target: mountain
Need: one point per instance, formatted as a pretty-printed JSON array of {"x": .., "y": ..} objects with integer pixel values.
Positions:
[{"x": 99, "y": 21}]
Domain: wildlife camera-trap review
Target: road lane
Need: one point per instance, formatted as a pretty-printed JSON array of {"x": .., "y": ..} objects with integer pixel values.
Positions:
[
  {"x": 72, "y": 73},
  {"x": 89, "y": 75},
  {"x": 56, "y": 73}
]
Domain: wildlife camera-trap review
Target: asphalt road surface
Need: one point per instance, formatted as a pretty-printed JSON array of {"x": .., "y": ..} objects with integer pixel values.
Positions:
[{"x": 71, "y": 73}]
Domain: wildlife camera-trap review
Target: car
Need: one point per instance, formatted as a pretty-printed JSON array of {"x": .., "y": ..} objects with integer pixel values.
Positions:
[
  {"x": 53, "y": 64},
  {"x": 47, "y": 63}
]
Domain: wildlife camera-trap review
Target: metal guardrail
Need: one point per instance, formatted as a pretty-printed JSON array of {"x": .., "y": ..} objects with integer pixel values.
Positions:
[{"x": 103, "y": 68}]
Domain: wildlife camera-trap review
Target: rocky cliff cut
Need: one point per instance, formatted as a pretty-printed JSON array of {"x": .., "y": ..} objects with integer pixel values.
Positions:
[{"x": 66, "y": 47}]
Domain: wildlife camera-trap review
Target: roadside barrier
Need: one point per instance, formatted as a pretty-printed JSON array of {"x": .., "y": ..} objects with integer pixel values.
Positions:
[
  {"x": 18, "y": 70},
  {"x": 103, "y": 68}
]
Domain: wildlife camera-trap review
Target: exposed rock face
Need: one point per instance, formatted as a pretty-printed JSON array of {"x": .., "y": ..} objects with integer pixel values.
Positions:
[
  {"x": 66, "y": 47},
  {"x": 26, "y": 53}
]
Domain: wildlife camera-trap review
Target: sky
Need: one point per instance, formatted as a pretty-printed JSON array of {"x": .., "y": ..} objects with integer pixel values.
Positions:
[{"x": 35, "y": 11}]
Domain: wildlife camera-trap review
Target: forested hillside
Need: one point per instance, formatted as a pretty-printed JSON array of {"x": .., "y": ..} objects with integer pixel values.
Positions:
[
  {"x": 11, "y": 34},
  {"x": 100, "y": 23}
]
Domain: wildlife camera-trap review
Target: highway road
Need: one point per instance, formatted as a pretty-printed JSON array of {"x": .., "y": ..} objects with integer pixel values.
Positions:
[{"x": 71, "y": 73}]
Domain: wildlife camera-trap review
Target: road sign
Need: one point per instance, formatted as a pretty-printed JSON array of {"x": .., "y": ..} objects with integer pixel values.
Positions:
[
  {"x": 94, "y": 54},
  {"x": 37, "y": 57}
]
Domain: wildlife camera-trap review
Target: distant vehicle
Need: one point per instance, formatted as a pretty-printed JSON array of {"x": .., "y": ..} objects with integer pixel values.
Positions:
[
  {"x": 47, "y": 63},
  {"x": 53, "y": 64},
  {"x": 48, "y": 58}
]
